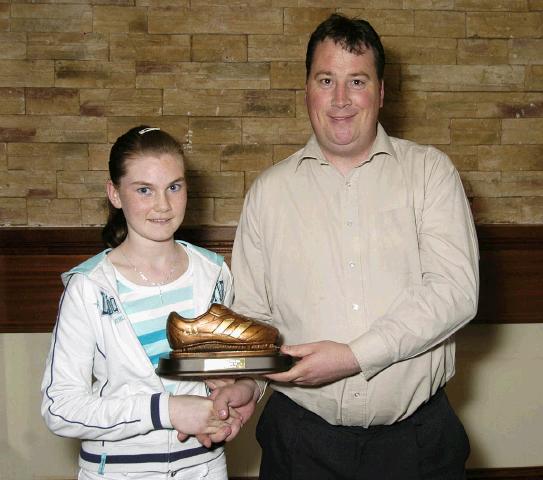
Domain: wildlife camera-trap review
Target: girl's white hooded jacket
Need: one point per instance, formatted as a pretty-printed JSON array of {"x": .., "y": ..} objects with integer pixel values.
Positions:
[{"x": 100, "y": 386}]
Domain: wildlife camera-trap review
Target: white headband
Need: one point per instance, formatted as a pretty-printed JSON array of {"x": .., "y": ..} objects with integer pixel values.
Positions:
[{"x": 145, "y": 130}]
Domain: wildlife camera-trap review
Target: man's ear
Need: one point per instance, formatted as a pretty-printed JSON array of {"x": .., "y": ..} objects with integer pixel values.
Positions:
[
  {"x": 113, "y": 194},
  {"x": 382, "y": 93}
]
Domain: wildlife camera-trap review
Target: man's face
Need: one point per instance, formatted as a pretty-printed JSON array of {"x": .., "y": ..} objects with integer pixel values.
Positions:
[{"x": 343, "y": 96}]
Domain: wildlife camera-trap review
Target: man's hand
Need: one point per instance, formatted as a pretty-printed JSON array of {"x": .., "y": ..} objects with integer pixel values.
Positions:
[
  {"x": 320, "y": 363},
  {"x": 214, "y": 383},
  {"x": 241, "y": 397}
]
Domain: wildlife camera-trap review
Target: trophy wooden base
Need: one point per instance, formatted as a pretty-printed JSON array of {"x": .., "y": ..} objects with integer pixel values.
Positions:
[{"x": 223, "y": 364}]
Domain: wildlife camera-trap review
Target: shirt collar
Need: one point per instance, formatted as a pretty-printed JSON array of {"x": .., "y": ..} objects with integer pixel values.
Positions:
[{"x": 381, "y": 146}]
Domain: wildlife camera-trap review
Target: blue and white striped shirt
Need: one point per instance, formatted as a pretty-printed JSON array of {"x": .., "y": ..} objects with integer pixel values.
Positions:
[{"x": 148, "y": 308}]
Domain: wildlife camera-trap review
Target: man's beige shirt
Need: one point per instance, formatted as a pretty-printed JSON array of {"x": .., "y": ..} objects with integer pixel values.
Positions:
[{"x": 384, "y": 260}]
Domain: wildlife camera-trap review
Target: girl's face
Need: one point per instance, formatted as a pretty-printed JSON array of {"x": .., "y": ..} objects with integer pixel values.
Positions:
[{"x": 152, "y": 195}]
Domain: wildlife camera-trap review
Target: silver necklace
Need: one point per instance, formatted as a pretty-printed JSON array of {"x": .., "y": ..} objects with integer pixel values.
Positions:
[{"x": 144, "y": 277}]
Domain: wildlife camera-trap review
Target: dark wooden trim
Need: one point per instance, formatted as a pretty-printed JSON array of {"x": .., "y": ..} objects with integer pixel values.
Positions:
[
  {"x": 507, "y": 237},
  {"x": 511, "y": 274},
  {"x": 522, "y": 473},
  {"x": 88, "y": 241},
  {"x": 31, "y": 260}
]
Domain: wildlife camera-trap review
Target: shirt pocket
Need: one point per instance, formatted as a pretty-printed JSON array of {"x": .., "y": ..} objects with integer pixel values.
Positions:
[{"x": 394, "y": 241}]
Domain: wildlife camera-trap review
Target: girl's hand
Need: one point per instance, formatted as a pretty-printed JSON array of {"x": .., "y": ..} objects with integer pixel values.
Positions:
[{"x": 195, "y": 415}]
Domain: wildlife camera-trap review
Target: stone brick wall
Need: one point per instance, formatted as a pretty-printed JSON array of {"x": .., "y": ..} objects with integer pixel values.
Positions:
[{"x": 227, "y": 78}]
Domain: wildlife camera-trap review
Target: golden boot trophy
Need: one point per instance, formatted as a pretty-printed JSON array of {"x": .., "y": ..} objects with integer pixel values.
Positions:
[{"x": 221, "y": 342}]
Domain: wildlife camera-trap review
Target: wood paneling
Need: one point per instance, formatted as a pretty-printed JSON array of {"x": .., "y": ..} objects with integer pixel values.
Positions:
[
  {"x": 523, "y": 473},
  {"x": 31, "y": 261},
  {"x": 511, "y": 269}
]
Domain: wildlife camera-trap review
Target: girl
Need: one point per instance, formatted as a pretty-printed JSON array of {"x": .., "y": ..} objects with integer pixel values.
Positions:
[{"x": 100, "y": 383}]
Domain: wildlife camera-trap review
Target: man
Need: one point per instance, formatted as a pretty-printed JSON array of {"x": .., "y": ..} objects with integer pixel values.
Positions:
[{"x": 361, "y": 249}]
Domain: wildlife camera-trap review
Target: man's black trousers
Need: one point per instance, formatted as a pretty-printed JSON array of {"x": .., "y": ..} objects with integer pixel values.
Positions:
[{"x": 298, "y": 445}]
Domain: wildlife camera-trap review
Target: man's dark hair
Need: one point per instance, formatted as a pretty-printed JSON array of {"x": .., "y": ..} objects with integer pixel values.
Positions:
[{"x": 353, "y": 34}]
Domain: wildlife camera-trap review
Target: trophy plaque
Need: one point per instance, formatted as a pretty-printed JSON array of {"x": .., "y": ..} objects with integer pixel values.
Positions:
[{"x": 221, "y": 343}]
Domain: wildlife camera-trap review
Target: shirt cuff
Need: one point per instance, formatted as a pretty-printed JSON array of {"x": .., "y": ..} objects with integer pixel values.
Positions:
[
  {"x": 372, "y": 353},
  {"x": 160, "y": 412}
]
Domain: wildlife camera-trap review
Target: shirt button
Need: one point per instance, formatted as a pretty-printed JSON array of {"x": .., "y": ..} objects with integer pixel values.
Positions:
[
  {"x": 356, "y": 306},
  {"x": 349, "y": 223},
  {"x": 351, "y": 264},
  {"x": 348, "y": 184},
  {"x": 356, "y": 395}
]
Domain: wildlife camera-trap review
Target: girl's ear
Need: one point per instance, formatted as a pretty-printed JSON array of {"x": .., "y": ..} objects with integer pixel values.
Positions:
[{"x": 113, "y": 194}]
